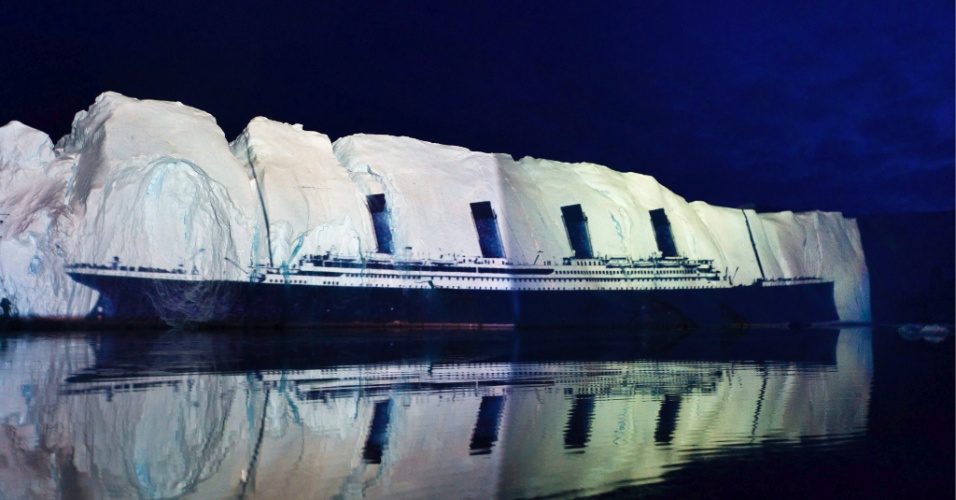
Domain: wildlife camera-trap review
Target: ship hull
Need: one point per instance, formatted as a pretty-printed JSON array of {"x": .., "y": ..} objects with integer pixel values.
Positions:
[{"x": 234, "y": 303}]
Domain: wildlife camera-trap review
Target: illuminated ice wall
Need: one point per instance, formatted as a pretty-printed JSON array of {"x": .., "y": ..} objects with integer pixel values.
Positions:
[{"x": 157, "y": 184}]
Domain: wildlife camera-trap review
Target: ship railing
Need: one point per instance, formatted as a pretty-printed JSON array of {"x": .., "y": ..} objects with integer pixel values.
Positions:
[
  {"x": 653, "y": 261},
  {"x": 386, "y": 261},
  {"x": 131, "y": 269},
  {"x": 788, "y": 281}
]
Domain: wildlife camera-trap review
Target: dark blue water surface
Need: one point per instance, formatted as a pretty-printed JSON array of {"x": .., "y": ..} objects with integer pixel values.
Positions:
[{"x": 853, "y": 412}]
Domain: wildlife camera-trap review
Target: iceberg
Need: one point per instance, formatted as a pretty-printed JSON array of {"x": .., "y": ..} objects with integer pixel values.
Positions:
[{"x": 156, "y": 184}]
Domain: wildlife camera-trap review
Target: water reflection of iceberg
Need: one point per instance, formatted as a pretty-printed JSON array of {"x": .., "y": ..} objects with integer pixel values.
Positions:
[{"x": 413, "y": 414}]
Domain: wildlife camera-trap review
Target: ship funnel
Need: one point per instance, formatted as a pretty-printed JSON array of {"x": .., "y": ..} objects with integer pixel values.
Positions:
[
  {"x": 486, "y": 222},
  {"x": 662, "y": 232},
  {"x": 486, "y": 429},
  {"x": 577, "y": 432},
  {"x": 576, "y": 224},
  {"x": 383, "y": 233},
  {"x": 377, "y": 439},
  {"x": 667, "y": 419}
]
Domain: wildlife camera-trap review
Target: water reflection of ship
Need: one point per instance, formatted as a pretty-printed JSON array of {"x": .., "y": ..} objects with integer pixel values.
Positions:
[
  {"x": 504, "y": 408},
  {"x": 665, "y": 288},
  {"x": 374, "y": 365},
  {"x": 178, "y": 351}
]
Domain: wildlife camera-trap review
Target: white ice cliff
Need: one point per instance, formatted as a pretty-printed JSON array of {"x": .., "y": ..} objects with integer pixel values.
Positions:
[
  {"x": 309, "y": 200},
  {"x": 156, "y": 184}
]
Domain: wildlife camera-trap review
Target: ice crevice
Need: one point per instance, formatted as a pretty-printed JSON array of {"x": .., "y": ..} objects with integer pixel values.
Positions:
[{"x": 157, "y": 184}]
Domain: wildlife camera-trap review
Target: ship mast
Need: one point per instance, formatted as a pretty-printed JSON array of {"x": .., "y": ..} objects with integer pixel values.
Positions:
[{"x": 754, "y": 245}]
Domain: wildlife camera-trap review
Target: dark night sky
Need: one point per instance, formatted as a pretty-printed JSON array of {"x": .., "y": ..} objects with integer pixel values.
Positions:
[{"x": 800, "y": 105}]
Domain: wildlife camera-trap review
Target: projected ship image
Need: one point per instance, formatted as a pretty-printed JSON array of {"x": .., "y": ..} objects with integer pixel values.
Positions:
[{"x": 486, "y": 291}]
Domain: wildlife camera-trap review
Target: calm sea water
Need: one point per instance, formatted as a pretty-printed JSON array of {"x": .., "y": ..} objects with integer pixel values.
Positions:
[{"x": 855, "y": 412}]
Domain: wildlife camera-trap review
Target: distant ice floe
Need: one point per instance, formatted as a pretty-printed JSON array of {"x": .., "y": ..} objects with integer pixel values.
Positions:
[{"x": 934, "y": 334}]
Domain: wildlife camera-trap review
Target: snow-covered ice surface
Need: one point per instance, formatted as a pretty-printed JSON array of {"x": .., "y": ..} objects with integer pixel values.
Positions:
[{"x": 156, "y": 184}]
